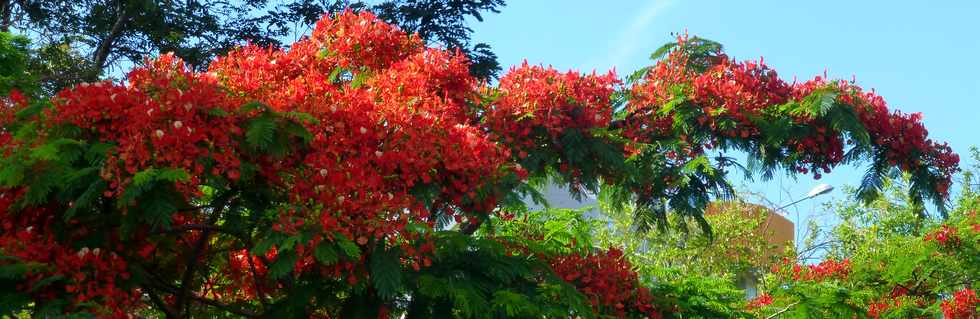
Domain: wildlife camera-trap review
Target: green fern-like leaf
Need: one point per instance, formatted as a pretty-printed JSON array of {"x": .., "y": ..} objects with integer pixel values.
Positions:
[
  {"x": 386, "y": 273},
  {"x": 348, "y": 246},
  {"x": 261, "y": 132},
  {"x": 270, "y": 240},
  {"x": 92, "y": 193},
  {"x": 326, "y": 254},
  {"x": 283, "y": 265}
]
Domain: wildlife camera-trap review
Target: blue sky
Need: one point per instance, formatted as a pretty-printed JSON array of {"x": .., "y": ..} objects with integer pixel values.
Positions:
[{"x": 920, "y": 55}]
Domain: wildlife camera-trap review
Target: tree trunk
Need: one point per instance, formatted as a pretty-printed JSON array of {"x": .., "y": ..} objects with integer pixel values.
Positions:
[
  {"x": 105, "y": 47},
  {"x": 6, "y": 10}
]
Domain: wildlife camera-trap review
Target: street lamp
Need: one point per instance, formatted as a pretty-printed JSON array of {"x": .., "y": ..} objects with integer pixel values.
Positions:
[
  {"x": 783, "y": 232},
  {"x": 816, "y": 191}
]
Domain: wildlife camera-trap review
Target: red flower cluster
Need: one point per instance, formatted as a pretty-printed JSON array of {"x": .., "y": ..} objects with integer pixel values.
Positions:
[
  {"x": 734, "y": 90},
  {"x": 661, "y": 85},
  {"x": 898, "y": 295},
  {"x": 828, "y": 269},
  {"x": 902, "y": 136},
  {"x": 387, "y": 110},
  {"x": 537, "y": 105},
  {"x": 825, "y": 270},
  {"x": 397, "y": 132},
  {"x": 945, "y": 236},
  {"x": 608, "y": 280},
  {"x": 730, "y": 97},
  {"x": 9, "y": 106},
  {"x": 760, "y": 301},
  {"x": 246, "y": 271},
  {"x": 161, "y": 119},
  {"x": 89, "y": 279},
  {"x": 389, "y": 116},
  {"x": 963, "y": 305},
  {"x": 876, "y": 309},
  {"x": 362, "y": 40}
]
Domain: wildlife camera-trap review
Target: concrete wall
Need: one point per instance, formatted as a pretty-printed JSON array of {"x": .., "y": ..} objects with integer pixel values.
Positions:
[{"x": 782, "y": 232}]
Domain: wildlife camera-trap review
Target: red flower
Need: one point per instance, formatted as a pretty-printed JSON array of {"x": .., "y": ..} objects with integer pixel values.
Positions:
[
  {"x": 945, "y": 236},
  {"x": 537, "y": 105},
  {"x": 963, "y": 305},
  {"x": 608, "y": 280},
  {"x": 760, "y": 301},
  {"x": 876, "y": 309},
  {"x": 726, "y": 97}
]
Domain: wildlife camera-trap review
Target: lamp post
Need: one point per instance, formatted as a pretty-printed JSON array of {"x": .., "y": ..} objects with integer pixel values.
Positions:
[
  {"x": 816, "y": 191},
  {"x": 782, "y": 228}
]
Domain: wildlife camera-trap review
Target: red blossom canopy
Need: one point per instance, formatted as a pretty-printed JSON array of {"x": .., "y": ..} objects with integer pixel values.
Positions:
[{"x": 326, "y": 180}]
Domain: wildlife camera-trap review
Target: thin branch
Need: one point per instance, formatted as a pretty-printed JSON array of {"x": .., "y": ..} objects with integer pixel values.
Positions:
[
  {"x": 170, "y": 313},
  {"x": 192, "y": 260},
  {"x": 190, "y": 227},
  {"x": 255, "y": 282},
  {"x": 162, "y": 285},
  {"x": 808, "y": 252},
  {"x": 225, "y": 307},
  {"x": 782, "y": 311},
  {"x": 211, "y": 302}
]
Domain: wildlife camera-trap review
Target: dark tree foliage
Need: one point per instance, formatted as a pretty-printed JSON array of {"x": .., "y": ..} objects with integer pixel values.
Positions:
[
  {"x": 13, "y": 61},
  {"x": 83, "y": 40}
]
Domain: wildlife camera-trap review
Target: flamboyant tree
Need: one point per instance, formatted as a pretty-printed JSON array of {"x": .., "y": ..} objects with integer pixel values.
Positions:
[{"x": 362, "y": 174}]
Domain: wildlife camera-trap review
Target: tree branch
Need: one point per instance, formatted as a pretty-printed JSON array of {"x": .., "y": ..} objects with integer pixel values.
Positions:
[
  {"x": 105, "y": 47},
  {"x": 782, "y": 311},
  {"x": 210, "y": 302},
  {"x": 190, "y": 227},
  {"x": 225, "y": 307},
  {"x": 255, "y": 282},
  {"x": 192, "y": 260},
  {"x": 6, "y": 8},
  {"x": 170, "y": 313}
]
